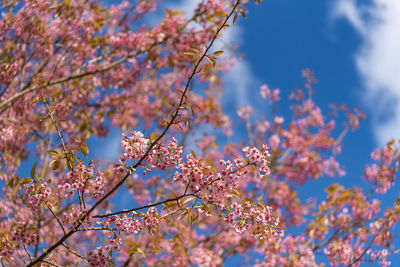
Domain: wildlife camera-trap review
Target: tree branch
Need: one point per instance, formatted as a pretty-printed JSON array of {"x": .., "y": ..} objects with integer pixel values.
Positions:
[
  {"x": 143, "y": 207},
  {"x": 122, "y": 181}
]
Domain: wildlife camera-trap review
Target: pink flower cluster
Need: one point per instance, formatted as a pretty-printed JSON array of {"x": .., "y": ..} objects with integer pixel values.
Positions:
[
  {"x": 260, "y": 159},
  {"x": 37, "y": 192},
  {"x": 132, "y": 225},
  {"x": 151, "y": 219},
  {"x": 276, "y": 252},
  {"x": 160, "y": 157},
  {"x": 216, "y": 187},
  {"x": 342, "y": 252},
  {"x": 258, "y": 218},
  {"x": 382, "y": 254},
  {"x": 123, "y": 223},
  {"x": 134, "y": 146},
  {"x": 244, "y": 112},
  {"x": 383, "y": 175},
  {"x": 74, "y": 217},
  {"x": 23, "y": 234},
  {"x": 163, "y": 156},
  {"x": 201, "y": 257},
  {"x": 84, "y": 180},
  {"x": 98, "y": 257},
  {"x": 266, "y": 92}
]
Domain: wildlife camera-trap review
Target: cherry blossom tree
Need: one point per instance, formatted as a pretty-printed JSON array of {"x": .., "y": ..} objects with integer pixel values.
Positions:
[{"x": 72, "y": 69}]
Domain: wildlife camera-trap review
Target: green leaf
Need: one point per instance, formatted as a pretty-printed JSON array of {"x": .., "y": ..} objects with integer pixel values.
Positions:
[
  {"x": 193, "y": 154},
  {"x": 184, "y": 213},
  {"x": 234, "y": 18},
  {"x": 187, "y": 200},
  {"x": 134, "y": 249},
  {"x": 211, "y": 59},
  {"x": 206, "y": 207},
  {"x": 141, "y": 252},
  {"x": 55, "y": 164},
  {"x": 153, "y": 136},
  {"x": 15, "y": 190},
  {"x": 194, "y": 217},
  {"x": 33, "y": 170},
  {"x": 26, "y": 180},
  {"x": 53, "y": 153},
  {"x": 85, "y": 150},
  {"x": 190, "y": 52}
]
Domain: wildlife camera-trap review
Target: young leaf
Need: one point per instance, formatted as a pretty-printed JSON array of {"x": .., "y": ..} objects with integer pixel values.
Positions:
[
  {"x": 55, "y": 164},
  {"x": 33, "y": 170},
  {"x": 193, "y": 154},
  {"x": 194, "y": 217},
  {"x": 187, "y": 200},
  {"x": 218, "y": 53},
  {"x": 183, "y": 215},
  {"x": 153, "y": 136},
  {"x": 242, "y": 13},
  {"x": 191, "y": 52},
  {"x": 211, "y": 59},
  {"x": 53, "y": 153},
  {"x": 206, "y": 207},
  {"x": 188, "y": 53},
  {"x": 84, "y": 150},
  {"x": 26, "y": 180}
]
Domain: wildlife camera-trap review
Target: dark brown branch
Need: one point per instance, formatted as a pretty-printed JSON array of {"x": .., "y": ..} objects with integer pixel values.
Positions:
[
  {"x": 144, "y": 207},
  {"x": 73, "y": 252},
  {"x": 55, "y": 216},
  {"x": 52, "y": 263},
  {"x": 366, "y": 249},
  {"x": 335, "y": 235}
]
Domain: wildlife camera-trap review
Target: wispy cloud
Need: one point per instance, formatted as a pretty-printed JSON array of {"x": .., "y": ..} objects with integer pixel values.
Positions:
[{"x": 377, "y": 60}]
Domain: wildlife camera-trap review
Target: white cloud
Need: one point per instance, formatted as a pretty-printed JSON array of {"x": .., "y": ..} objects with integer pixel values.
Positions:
[{"x": 378, "y": 60}]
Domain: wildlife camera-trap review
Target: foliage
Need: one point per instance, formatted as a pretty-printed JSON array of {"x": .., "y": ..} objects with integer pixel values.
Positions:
[{"x": 70, "y": 69}]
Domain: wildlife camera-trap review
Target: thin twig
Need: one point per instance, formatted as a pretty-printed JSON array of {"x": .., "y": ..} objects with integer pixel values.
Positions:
[
  {"x": 143, "y": 207},
  {"x": 70, "y": 166},
  {"x": 73, "y": 252},
  {"x": 97, "y": 229},
  {"x": 366, "y": 249},
  {"x": 55, "y": 216},
  {"x": 38, "y": 235},
  {"x": 27, "y": 252},
  {"x": 52, "y": 263},
  {"x": 336, "y": 234}
]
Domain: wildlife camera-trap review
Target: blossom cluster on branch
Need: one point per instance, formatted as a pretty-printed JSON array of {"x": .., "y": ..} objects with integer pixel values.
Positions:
[{"x": 178, "y": 194}]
